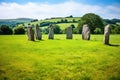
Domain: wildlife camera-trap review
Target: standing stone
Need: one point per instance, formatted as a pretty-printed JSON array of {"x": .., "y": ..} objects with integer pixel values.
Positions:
[
  {"x": 51, "y": 32},
  {"x": 106, "y": 34},
  {"x": 86, "y": 32},
  {"x": 38, "y": 33},
  {"x": 30, "y": 33},
  {"x": 69, "y": 33}
]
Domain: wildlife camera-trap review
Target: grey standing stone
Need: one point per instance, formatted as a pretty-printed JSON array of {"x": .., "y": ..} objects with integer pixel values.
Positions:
[
  {"x": 51, "y": 32},
  {"x": 38, "y": 33},
  {"x": 69, "y": 33},
  {"x": 30, "y": 33},
  {"x": 106, "y": 34},
  {"x": 86, "y": 32}
]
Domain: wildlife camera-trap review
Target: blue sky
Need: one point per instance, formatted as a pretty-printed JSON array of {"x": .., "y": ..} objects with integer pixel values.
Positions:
[
  {"x": 58, "y": 8},
  {"x": 96, "y": 2}
]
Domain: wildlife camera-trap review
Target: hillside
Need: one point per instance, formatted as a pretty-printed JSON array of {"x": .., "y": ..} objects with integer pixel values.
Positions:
[
  {"x": 20, "y": 21},
  {"x": 13, "y": 22},
  {"x": 61, "y": 21}
]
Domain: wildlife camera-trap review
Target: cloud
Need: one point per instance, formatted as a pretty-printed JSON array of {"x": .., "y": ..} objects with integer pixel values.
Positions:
[{"x": 46, "y": 10}]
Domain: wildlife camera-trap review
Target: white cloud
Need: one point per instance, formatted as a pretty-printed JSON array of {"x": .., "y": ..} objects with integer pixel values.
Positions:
[{"x": 46, "y": 10}]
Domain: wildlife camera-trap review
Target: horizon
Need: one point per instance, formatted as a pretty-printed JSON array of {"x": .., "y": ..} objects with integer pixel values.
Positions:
[
  {"x": 50, "y": 18},
  {"x": 42, "y": 9}
]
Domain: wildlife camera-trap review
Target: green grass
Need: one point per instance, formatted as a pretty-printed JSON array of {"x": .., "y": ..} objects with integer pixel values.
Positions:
[
  {"x": 59, "y": 59},
  {"x": 59, "y": 19},
  {"x": 63, "y": 25},
  {"x": 54, "y": 20}
]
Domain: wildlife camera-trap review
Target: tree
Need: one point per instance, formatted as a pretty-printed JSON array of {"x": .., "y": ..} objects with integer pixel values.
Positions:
[
  {"x": 75, "y": 30},
  {"x": 115, "y": 28},
  {"x": 112, "y": 28},
  {"x": 66, "y": 21},
  {"x": 97, "y": 31},
  {"x": 62, "y": 21},
  {"x": 4, "y": 29},
  {"x": 34, "y": 20},
  {"x": 45, "y": 30},
  {"x": 74, "y": 21},
  {"x": 57, "y": 29},
  {"x": 19, "y": 30},
  {"x": 112, "y": 21},
  {"x": 72, "y": 25},
  {"x": 70, "y": 16},
  {"x": 94, "y": 21}
]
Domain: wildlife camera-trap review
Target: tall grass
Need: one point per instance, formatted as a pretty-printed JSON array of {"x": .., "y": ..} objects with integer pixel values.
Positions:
[{"x": 59, "y": 59}]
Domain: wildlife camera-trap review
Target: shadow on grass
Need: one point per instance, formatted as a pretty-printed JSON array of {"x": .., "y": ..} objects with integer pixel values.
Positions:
[
  {"x": 57, "y": 39},
  {"x": 39, "y": 40},
  {"x": 115, "y": 45}
]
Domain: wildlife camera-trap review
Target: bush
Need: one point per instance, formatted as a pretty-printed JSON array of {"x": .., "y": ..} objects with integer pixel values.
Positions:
[
  {"x": 57, "y": 29},
  {"x": 4, "y": 29},
  {"x": 19, "y": 30},
  {"x": 72, "y": 25},
  {"x": 63, "y": 31},
  {"x": 75, "y": 31},
  {"x": 45, "y": 30},
  {"x": 97, "y": 31}
]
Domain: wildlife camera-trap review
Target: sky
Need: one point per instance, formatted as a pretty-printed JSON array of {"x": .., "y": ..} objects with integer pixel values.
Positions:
[{"x": 41, "y": 9}]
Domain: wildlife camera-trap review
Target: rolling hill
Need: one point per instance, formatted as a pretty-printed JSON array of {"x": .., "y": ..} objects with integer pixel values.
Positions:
[
  {"x": 63, "y": 22},
  {"x": 13, "y": 22}
]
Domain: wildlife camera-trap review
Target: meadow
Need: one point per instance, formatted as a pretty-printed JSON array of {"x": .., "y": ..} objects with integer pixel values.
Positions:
[
  {"x": 63, "y": 26},
  {"x": 59, "y": 59}
]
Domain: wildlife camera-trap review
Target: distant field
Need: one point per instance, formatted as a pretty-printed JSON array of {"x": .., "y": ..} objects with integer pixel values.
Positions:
[
  {"x": 56, "y": 20},
  {"x": 59, "y": 59},
  {"x": 63, "y": 25}
]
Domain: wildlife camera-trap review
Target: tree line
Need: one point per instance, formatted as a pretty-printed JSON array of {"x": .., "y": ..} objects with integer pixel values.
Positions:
[
  {"x": 47, "y": 23},
  {"x": 6, "y": 30}
]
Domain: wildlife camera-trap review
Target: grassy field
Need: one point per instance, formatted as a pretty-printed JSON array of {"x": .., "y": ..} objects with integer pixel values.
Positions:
[
  {"x": 62, "y": 25},
  {"x": 59, "y": 59},
  {"x": 65, "y": 25},
  {"x": 55, "y": 20}
]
